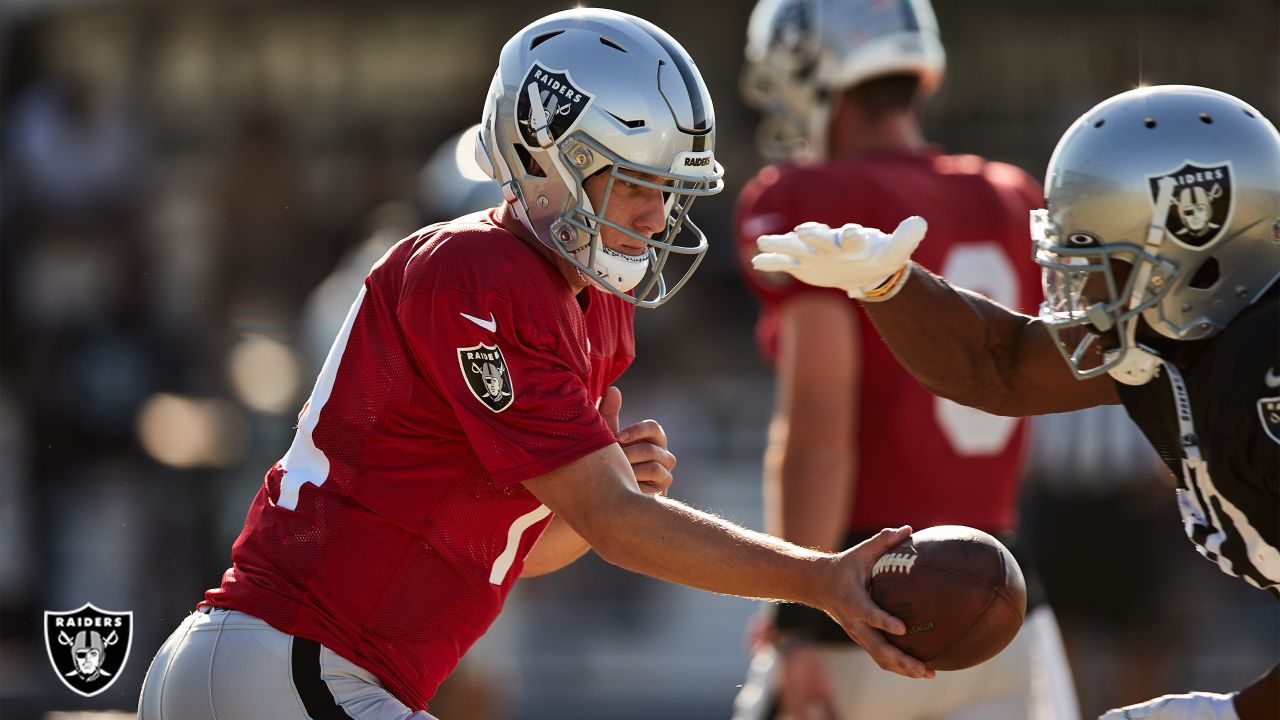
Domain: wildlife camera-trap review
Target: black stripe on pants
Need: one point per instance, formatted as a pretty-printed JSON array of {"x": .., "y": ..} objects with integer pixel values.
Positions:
[{"x": 315, "y": 694}]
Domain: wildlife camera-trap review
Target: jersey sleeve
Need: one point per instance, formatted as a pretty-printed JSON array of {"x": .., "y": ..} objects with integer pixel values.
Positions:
[{"x": 518, "y": 397}]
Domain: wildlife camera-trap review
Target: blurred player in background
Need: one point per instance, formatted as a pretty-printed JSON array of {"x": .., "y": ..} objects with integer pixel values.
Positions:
[
  {"x": 855, "y": 441},
  {"x": 1160, "y": 250},
  {"x": 463, "y": 431}
]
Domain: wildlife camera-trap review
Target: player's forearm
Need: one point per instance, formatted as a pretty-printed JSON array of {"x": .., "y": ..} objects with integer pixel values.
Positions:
[
  {"x": 970, "y": 349},
  {"x": 957, "y": 344},
  {"x": 557, "y": 547},
  {"x": 666, "y": 539},
  {"x": 807, "y": 492}
]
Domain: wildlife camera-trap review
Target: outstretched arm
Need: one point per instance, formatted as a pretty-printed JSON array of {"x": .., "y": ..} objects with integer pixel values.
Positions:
[
  {"x": 959, "y": 344},
  {"x": 970, "y": 349},
  {"x": 598, "y": 497}
]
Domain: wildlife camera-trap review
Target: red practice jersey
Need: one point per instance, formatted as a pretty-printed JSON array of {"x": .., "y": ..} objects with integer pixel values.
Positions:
[
  {"x": 396, "y": 524},
  {"x": 920, "y": 459}
]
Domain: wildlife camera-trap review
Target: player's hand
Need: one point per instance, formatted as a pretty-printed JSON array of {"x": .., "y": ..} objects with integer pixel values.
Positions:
[
  {"x": 853, "y": 258},
  {"x": 1191, "y": 706},
  {"x": 861, "y": 618},
  {"x": 804, "y": 692},
  {"x": 644, "y": 443}
]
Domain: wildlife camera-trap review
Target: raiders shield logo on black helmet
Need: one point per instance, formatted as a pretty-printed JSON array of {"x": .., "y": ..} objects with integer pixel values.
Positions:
[
  {"x": 485, "y": 371},
  {"x": 548, "y": 106},
  {"x": 1201, "y": 204},
  {"x": 88, "y": 647}
]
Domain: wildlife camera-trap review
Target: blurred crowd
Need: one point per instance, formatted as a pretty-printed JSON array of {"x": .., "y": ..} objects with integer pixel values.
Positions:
[{"x": 191, "y": 193}]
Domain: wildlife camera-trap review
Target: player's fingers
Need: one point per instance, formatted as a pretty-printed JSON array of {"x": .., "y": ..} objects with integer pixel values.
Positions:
[
  {"x": 869, "y": 551},
  {"x": 910, "y": 232},
  {"x": 649, "y": 431},
  {"x": 611, "y": 407},
  {"x": 789, "y": 244},
  {"x": 886, "y": 655},
  {"x": 653, "y": 478},
  {"x": 642, "y": 453},
  {"x": 774, "y": 262}
]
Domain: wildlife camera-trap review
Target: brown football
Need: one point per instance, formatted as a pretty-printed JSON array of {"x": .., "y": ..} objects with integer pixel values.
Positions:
[{"x": 959, "y": 592}]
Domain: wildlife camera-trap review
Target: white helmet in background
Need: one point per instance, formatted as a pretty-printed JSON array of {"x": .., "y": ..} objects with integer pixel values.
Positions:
[
  {"x": 591, "y": 90},
  {"x": 802, "y": 53},
  {"x": 1162, "y": 222}
]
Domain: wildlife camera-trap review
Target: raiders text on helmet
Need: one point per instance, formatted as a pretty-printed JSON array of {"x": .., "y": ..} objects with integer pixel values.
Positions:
[
  {"x": 802, "y": 53},
  {"x": 586, "y": 91},
  {"x": 1162, "y": 205}
]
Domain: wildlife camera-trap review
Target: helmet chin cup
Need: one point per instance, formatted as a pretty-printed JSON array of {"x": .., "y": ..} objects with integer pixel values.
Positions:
[{"x": 1135, "y": 365}]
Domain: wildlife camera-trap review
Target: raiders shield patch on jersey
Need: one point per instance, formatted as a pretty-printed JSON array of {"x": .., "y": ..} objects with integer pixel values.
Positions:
[
  {"x": 1269, "y": 415},
  {"x": 1201, "y": 204},
  {"x": 485, "y": 371},
  {"x": 549, "y": 106},
  {"x": 88, "y": 647}
]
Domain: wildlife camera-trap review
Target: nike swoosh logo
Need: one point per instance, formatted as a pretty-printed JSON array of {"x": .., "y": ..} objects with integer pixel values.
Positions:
[
  {"x": 491, "y": 324},
  {"x": 1272, "y": 379}
]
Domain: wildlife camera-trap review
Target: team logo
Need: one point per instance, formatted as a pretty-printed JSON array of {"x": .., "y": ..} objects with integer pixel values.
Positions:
[
  {"x": 487, "y": 375},
  {"x": 548, "y": 106},
  {"x": 1201, "y": 203},
  {"x": 88, "y": 647},
  {"x": 1269, "y": 415}
]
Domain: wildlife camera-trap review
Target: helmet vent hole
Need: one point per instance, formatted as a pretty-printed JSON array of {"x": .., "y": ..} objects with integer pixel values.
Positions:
[
  {"x": 1150, "y": 122},
  {"x": 1206, "y": 119},
  {"x": 606, "y": 41},
  {"x": 1246, "y": 112},
  {"x": 1206, "y": 275},
  {"x": 1100, "y": 122},
  {"x": 543, "y": 38}
]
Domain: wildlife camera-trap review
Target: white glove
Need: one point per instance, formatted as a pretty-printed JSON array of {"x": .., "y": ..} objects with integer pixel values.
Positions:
[
  {"x": 853, "y": 258},
  {"x": 1192, "y": 706}
]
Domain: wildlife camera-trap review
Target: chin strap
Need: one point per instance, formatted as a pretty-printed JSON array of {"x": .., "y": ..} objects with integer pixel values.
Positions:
[{"x": 1138, "y": 365}]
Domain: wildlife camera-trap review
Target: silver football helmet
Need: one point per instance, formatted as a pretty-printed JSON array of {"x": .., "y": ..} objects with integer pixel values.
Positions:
[
  {"x": 801, "y": 53},
  {"x": 590, "y": 90},
  {"x": 1162, "y": 219}
]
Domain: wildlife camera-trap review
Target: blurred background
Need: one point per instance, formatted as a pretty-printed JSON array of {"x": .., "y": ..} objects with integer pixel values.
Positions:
[{"x": 189, "y": 189}]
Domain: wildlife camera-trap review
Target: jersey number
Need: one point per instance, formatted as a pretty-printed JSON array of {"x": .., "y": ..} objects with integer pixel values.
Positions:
[
  {"x": 985, "y": 268},
  {"x": 306, "y": 463}
]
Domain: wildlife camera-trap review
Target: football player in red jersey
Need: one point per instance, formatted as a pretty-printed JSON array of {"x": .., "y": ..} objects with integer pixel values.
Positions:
[
  {"x": 1159, "y": 248},
  {"x": 462, "y": 431},
  {"x": 855, "y": 442}
]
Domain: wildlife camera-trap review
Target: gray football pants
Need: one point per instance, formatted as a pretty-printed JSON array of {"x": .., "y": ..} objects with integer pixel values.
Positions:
[{"x": 226, "y": 665}]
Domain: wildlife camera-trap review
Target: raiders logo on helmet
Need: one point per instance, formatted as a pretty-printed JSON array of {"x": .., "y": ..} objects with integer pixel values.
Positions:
[
  {"x": 486, "y": 373},
  {"x": 88, "y": 647},
  {"x": 1269, "y": 415},
  {"x": 1201, "y": 205},
  {"x": 548, "y": 106}
]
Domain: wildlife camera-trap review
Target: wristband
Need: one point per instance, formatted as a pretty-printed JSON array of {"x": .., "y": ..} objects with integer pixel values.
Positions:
[{"x": 889, "y": 287}]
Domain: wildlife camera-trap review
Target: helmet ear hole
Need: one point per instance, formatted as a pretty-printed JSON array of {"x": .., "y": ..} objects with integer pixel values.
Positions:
[{"x": 1206, "y": 276}]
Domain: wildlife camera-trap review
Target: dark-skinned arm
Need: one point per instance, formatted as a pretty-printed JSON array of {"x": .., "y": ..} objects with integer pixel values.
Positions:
[{"x": 972, "y": 350}]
